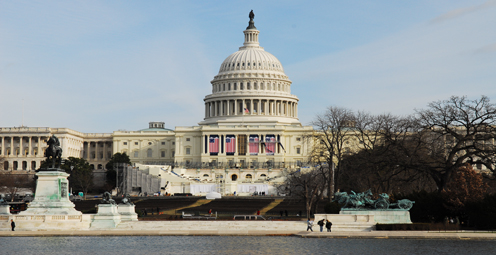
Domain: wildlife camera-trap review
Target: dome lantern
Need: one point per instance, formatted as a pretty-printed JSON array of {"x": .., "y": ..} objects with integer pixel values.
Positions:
[{"x": 251, "y": 34}]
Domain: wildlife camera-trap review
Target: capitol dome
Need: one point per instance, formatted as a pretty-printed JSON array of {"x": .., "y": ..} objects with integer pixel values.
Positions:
[
  {"x": 253, "y": 59},
  {"x": 251, "y": 87}
]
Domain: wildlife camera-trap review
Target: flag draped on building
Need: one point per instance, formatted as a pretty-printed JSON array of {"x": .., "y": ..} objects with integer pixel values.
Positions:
[
  {"x": 214, "y": 145},
  {"x": 270, "y": 144},
  {"x": 254, "y": 141},
  {"x": 230, "y": 144}
]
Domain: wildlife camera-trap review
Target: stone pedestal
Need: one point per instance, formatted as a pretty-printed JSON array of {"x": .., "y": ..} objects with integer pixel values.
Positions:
[
  {"x": 107, "y": 217},
  {"x": 52, "y": 195},
  {"x": 384, "y": 216},
  {"x": 4, "y": 210},
  {"x": 127, "y": 212}
]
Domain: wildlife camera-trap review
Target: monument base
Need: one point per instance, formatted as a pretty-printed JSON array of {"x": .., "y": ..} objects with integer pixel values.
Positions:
[
  {"x": 52, "y": 195},
  {"x": 127, "y": 212},
  {"x": 347, "y": 223},
  {"x": 106, "y": 217},
  {"x": 383, "y": 216},
  {"x": 4, "y": 210}
]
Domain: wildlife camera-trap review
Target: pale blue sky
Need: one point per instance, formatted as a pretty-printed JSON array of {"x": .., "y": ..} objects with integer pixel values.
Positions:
[{"x": 101, "y": 66}]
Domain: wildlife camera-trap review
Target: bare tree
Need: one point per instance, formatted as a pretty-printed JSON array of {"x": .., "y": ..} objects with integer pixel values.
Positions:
[
  {"x": 308, "y": 185},
  {"x": 385, "y": 161},
  {"x": 458, "y": 131},
  {"x": 333, "y": 131}
]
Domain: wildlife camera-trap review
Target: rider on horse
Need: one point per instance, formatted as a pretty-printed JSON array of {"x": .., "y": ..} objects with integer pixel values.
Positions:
[{"x": 54, "y": 152}]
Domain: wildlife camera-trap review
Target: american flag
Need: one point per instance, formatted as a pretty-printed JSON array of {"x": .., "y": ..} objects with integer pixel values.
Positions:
[
  {"x": 270, "y": 145},
  {"x": 230, "y": 145},
  {"x": 254, "y": 145},
  {"x": 247, "y": 111},
  {"x": 214, "y": 144}
]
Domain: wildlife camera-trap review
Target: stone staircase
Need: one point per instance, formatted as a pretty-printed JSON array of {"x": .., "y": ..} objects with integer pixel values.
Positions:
[
  {"x": 199, "y": 202},
  {"x": 271, "y": 206}
]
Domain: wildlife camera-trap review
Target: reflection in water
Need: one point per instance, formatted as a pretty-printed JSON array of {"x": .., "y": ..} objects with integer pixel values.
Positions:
[{"x": 237, "y": 245}]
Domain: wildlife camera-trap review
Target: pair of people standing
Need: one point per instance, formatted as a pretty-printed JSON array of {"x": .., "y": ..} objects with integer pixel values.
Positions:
[
  {"x": 321, "y": 223},
  {"x": 325, "y": 223}
]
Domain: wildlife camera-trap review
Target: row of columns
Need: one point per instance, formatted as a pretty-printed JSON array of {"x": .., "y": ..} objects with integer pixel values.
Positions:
[
  {"x": 87, "y": 149},
  {"x": 30, "y": 147},
  {"x": 246, "y": 107}
]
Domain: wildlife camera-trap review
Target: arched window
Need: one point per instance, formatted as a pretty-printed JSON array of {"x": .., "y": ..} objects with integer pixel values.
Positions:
[
  {"x": 248, "y": 176},
  {"x": 205, "y": 175},
  {"x": 234, "y": 177},
  {"x": 263, "y": 175}
]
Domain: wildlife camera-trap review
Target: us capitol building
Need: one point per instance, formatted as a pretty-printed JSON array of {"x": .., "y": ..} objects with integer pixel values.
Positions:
[{"x": 249, "y": 137}]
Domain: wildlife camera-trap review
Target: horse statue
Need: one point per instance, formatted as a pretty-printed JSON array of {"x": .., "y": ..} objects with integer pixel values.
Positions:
[
  {"x": 364, "y": 201},
  {"x": 54, "y": 153},
  {"x": 352, "y": 200}
]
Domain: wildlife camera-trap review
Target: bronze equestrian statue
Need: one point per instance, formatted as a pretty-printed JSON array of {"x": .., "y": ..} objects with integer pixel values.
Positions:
[{"x": 53, "y": 153}]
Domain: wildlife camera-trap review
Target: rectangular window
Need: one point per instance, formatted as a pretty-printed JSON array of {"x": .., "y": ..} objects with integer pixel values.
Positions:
[
  {"x": 187, "y": 139},
  {"x": 298, "y": 139},
  {"x": 173, "y": 153},
  {"x": 163, "y": 143},
  {"x": 298, "y": 150},
  {"x": 125, "y": 143},
  {"x": 135, "y": 143},
  {"x": 188, "y": 151},
  {"x": 136, "y": 154},
  {"x": 162, "y": 154},
  {"x": 242, "y": 145},
  {"x": 173, "y": 143}
]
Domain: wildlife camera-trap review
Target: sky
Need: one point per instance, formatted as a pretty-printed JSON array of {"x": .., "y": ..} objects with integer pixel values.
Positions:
[{"x": 102, "y": 66}]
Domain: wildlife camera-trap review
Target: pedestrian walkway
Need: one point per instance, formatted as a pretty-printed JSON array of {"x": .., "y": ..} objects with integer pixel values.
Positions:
[{"x": 462, "y": 235}]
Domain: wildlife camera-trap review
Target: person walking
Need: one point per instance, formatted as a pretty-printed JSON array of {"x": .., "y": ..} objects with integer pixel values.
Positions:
[
  {"x": 321, "y": 224},
  {"x": 309, "y": 224},
  {"x": 12, "y": 224},
  {"x": 328, "y": 226}
]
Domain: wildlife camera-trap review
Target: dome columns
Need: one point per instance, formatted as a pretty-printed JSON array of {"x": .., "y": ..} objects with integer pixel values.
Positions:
[{"x": 251, "y": 107}]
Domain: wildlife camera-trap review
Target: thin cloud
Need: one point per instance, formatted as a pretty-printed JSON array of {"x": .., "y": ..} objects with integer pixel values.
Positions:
[
  {"x": 463, "y": 11},
  {"x": 487, "y": 49}
]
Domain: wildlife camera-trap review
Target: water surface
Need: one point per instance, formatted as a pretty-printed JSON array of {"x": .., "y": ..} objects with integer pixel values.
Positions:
[{"x": 238, "y": 245}]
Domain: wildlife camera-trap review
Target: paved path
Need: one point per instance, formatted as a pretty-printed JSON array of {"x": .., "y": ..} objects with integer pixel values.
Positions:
[{"x": 462, "y": 235}]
